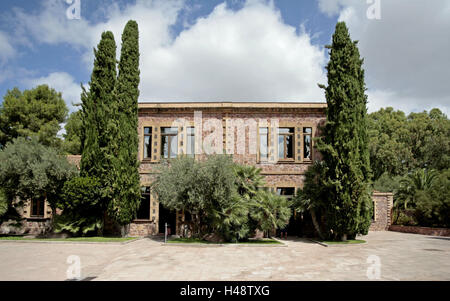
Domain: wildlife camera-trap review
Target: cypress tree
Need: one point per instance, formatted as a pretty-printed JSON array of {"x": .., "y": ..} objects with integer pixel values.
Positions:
[
  {"x": 126, "y": 186},
  {"x": 98, "y": 129},
  {"x": 344, "y": 144}
]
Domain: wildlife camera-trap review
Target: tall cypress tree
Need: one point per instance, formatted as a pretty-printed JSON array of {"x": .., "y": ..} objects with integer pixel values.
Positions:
[
  {"x": 344, "y": 144},
  {"x": 98, "y": 129},
  {"x": 126, "y": 186}
]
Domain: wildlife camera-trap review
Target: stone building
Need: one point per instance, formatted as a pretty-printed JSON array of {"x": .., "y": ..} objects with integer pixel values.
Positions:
[{"x": 273, "y": 136}]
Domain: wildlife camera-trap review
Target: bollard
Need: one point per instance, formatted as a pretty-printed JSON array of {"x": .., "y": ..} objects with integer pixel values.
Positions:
[{"x": 165, "y": 233}]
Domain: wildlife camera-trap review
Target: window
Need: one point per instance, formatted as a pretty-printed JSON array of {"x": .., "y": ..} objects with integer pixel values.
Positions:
[
  {"x": 287, "y": 192},
  {"x": 285, "y": 143},
  {"x": 190, "y": 131},
  {"x": 263, "y": 144},
  {"x": 147, "y": 143},
  {"x": 37, "y": 207},
  {"x": 144, "y": 208},
  {"x": 307, "y": 133},
  {"x": 224, "y": 139},
  {"x": 169, "y": 145},
  {"x": 374, "y": 209}
]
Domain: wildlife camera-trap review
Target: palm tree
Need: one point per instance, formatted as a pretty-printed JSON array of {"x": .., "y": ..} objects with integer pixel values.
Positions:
[
  {"x": 271, "y": 210},
  {"x": 311, "y": 198},
  {"x": 420, "y": 179},
  {"x": 248, "y": 180},
  {"x": 304, "y": 204}
]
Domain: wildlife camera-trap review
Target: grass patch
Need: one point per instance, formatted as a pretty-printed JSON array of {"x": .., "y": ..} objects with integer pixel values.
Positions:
[
  {"x": 75, "y": 239},
  {"x": 200, "y": 241},
  {"x": 268, "y": 241},
  {"x": 347, "y": 242},
  {"x": 189, "y": 241}
]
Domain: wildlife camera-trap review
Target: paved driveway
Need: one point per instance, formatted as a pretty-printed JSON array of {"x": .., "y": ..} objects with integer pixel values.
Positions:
[{"x": 397, "y": 256}]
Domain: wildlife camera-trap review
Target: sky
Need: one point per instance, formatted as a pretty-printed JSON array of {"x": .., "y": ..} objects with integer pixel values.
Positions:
[{"x": 233, "y": 50}]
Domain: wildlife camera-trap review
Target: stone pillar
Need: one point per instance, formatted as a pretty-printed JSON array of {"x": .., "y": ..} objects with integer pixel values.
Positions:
[{"x": 383, "y": 203}]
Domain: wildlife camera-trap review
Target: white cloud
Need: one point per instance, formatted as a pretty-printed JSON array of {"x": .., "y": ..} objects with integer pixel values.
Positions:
[
  {"x": 383, "y": 98},
  {"x": 334, "y": 7},
  {"x": 245, "y": 55},
  {"x": 6, "y": 49},
  {"x": 250, "y": 54},
  {"x": 51, "y": 26},
  {"x": 61, "y": 82},
  {"x": 406, "y": 57}
]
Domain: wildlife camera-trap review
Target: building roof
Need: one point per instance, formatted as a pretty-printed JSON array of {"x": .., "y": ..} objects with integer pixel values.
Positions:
[{"x": 232, "y": 104}]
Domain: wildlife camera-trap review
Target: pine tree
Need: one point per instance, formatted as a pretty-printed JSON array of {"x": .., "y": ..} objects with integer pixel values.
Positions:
[
  {"x": 126, "y": 184},
  {"x": 98, "y": 129},
  {"x": 344, "y": 145}
]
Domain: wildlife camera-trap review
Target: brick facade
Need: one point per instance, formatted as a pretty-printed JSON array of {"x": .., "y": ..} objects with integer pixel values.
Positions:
[
  {"x": 231, "y": 119},
  {"x": 289, "y": 174}
]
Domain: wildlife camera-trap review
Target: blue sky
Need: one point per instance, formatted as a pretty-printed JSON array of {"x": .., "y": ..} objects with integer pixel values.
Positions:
[{"x": 234, "y": 49}]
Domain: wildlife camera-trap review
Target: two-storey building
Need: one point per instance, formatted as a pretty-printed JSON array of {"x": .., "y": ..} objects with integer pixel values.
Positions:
[{"x": 273, "y": 136}]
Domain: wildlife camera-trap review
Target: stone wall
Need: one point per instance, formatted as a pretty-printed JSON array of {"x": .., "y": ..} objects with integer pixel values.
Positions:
[
  {"x": 421, "y": 230},
  {"x": 383, "y": 203},
  {"x": 142, "y": 228},
  {"x": 26, "y": 227}
]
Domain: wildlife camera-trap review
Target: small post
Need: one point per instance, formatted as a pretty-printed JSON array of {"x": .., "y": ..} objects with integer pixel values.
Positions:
[{"x": 165, "y": 233}]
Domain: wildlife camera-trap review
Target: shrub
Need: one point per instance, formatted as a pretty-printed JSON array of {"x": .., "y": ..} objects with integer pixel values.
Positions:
[
  {"x": 405, "y": 218},
  {"x": 433, "y": 204},
  {"x": 270, "y": 211},
  {"x": 387, "y": 183},
  {"x": 81, "y": 205},
  {"x": 3, "y": 203}
]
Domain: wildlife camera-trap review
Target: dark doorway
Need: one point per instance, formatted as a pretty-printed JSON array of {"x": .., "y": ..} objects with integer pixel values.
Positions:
[
  {"x": 293, "y": 227},
  {"x": 169, "y": 217}
]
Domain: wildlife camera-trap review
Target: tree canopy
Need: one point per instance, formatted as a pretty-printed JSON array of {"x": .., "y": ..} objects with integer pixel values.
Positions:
[
  {"x": 344, "y": 141},
  {"x": 99, "y": 131},
  {"x": 29, "y": 169},
  {"x": 399, "y": 143},
  {"x": 72, "y": 137},
  {"x": 220, "y": 196},
  {"x": 126, "y": 194},
  {"x": 32, "y": 113}
]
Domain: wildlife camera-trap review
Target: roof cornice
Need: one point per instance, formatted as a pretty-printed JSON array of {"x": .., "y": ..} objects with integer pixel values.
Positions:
[{"x": 232, "y": 105}]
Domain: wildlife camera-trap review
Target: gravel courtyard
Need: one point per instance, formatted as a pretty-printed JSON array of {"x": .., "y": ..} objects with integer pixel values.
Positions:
[{"x": 401, "y": 257}]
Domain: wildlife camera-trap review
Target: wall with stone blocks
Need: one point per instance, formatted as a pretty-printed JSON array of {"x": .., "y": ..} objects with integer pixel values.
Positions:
[
  {"x": 26, "y": 227},
  {"x": 142, "y": 228},
  {"x": 383, "y": 203},
  {"x": 421, "y": 230}
]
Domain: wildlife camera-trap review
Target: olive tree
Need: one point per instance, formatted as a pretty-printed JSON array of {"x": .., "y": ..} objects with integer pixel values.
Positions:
[{"x": 29, "y": 169}]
